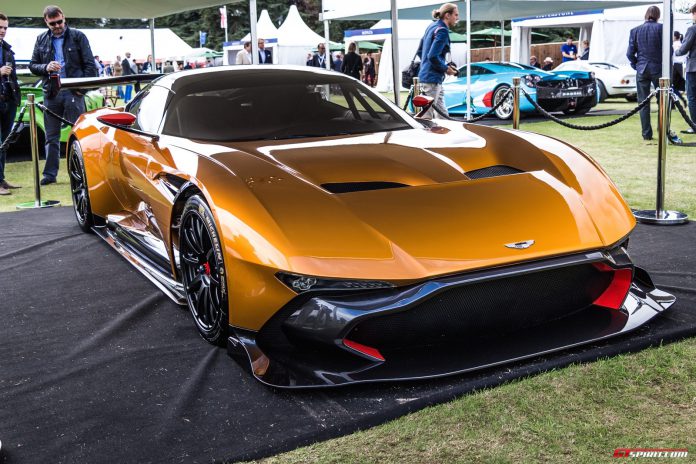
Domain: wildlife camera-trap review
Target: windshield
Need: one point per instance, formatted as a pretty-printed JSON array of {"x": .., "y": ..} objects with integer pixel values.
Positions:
[{"x": 243, "y": 106}]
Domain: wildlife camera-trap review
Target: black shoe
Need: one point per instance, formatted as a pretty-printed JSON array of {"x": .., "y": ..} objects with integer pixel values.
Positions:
[
  {"x": 688, "y": 131},
  {"x": 46, "y": 181}
]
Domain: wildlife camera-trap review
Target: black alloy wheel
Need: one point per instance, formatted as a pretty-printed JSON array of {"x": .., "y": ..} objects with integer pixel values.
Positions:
[
  {"x": 203, "y": 270},
  {"x": 504, "y": 111},
  {"x": 78, "y": 187}
]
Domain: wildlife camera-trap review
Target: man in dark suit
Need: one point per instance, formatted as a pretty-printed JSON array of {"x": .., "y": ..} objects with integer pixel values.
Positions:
[
  {"x": 689, "y": 47},
  {"x": 65, "y": 52},
  {"x": 265, "y": 56},
  {"x": 320, "y": 57},
  {"x": 645, "y": 55}
]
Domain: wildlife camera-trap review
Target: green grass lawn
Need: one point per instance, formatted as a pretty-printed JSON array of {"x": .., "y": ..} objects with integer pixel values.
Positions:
[{"x": 577, "y": 414}]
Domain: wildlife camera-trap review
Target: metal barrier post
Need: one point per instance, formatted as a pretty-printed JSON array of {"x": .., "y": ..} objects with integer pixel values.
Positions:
[
  {"x": 515, "y": 102},
  {"x": 659, "y": 215},
  {"x": 33, "y": 139}
]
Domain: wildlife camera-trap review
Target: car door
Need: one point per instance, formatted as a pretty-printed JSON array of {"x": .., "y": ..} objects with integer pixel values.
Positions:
[{"x": 141, "y": 159}]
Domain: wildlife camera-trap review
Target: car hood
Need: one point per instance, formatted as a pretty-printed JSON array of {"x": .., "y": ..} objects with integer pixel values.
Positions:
[{"x": 418, "y": 203}]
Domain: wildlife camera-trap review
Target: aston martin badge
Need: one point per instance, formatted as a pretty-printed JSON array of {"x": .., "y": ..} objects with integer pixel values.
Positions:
[{"x": 520, "y": 245}]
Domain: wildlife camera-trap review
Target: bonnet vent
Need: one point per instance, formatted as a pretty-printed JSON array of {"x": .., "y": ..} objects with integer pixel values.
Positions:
[
  {"x": 347, "y": 187},
  {"x": 492, "y": 171}
]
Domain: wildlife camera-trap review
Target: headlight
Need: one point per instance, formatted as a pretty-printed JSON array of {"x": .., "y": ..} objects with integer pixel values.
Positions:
[
  {"x": 531, "y": 80},
  {"x": 302, "y": 283}
]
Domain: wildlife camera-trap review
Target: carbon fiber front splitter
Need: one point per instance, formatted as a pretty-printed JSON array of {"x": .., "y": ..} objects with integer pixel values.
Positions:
[{"x": 293, "y": 366}]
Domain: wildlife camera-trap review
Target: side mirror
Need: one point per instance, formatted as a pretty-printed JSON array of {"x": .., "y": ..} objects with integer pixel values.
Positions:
[
  {"x": 422, "y": 101},
  {"x": 117, "y": 119}
]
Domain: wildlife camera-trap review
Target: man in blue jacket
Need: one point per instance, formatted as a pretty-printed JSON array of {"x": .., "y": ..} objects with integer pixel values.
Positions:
[
  {"x": 433, "y": 51},
  {"x": 65, "y": 52}
]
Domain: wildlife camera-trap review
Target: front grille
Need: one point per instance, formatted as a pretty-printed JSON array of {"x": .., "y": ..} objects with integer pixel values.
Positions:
[
  {"x": 492, "y": 171},
  {"x": 493, "y": 307}
]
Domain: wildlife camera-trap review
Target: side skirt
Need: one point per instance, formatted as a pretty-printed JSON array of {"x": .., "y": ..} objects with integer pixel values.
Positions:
[{"x": 144, "y": 252}]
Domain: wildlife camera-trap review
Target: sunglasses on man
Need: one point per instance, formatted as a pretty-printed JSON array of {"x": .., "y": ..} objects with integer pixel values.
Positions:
[{"x": 57, "y": 22}]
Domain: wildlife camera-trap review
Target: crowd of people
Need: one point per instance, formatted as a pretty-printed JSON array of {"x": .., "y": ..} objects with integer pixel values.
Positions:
[{"x": 351, "y": 64}]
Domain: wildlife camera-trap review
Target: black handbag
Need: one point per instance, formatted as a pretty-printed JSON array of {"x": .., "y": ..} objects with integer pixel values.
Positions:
[
  {"x": 411, "y": 70},
  {"x": 409, "y": 73}
]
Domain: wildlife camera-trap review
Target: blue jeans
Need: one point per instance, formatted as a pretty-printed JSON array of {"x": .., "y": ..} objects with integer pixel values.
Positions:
[
  {"x": 69, "y": 106},
  {"x": 129, "y": 93},
  {"x": 643, "y": 81},
  {"x": 7, "y": 115},
  {"x": 691, "y": 94}
]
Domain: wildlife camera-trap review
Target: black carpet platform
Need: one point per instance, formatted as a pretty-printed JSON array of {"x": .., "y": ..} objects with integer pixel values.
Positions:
[{"x": 97, "y": 365}]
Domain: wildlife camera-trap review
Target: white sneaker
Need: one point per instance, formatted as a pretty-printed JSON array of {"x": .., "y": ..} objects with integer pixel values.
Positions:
[{"x": 4, "y": 191}]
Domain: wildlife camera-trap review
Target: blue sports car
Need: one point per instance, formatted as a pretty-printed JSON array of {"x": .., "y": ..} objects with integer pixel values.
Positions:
[{"x": 573, "y": 92}]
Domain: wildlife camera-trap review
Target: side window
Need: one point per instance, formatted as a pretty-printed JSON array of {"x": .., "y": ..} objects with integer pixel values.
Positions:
[{"x": 149, "y": 108}]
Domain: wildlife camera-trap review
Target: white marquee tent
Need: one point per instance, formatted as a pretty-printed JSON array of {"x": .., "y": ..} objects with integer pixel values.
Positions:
[
  {"x": 289, "y": 43},
  {"x": 607, "y": 30},
  {"x": 107, "y": 43}
]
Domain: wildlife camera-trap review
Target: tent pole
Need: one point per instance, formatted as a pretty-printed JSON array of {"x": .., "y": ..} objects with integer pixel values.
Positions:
[
  {"x": 395, "y": 52},
  {"x": 153, "y": 66},
  {"x": 329, "y": 59},
  {"x": 468, "y": 59},
  {"x": 254, "y": 38},
  {"x": 502, "y": 40}
]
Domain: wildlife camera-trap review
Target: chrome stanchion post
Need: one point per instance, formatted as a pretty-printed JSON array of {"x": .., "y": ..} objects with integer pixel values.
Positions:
[
  {"x": 659, "y": 215},
  {"x": 33, "y": 140},
  {"x": 515, "y": 102}
]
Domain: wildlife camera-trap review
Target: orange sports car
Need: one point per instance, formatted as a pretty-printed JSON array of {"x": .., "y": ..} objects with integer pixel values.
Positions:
[{"x": 327, "y": 237}]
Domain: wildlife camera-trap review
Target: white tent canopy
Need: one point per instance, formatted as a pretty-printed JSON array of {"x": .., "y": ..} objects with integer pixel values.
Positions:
[
  {"x": 289, "y": 44},
  {"x": 107, "y": 43},
  {"x": 481, "y": 10},
  {"x": 125, "y": 9},
  {"x": 265, "y": 29},
  {"x": 607, "y": 30}
]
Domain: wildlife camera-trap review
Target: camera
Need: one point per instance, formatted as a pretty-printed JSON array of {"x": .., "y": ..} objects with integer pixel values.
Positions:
[{"x": 454, "y": 67}]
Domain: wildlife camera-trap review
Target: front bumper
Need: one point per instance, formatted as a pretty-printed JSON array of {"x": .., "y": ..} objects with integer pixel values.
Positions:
[{"x": 448, "y": 325}]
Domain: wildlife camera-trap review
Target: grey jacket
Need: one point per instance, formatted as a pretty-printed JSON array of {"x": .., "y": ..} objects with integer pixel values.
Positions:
[{"x": 689, "y": 46}]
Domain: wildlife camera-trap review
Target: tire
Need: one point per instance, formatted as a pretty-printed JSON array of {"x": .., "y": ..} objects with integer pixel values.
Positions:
[
  {"x": 505, "y": 110},
  {"x": 79, "y": 187},
  {"x": 203, "y": 271},
  {"x": 632, "y": 98},
  {"x": 603, "y": 94}
]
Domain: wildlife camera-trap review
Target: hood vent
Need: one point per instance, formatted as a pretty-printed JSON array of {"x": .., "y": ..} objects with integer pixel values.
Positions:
[
  {"x": 347, "y": 187},
  {"x": 492, "y": 171}
]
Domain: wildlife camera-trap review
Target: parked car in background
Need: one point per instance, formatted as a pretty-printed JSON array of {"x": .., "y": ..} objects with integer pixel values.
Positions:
[
  {"x": 612, "y": 80},
  {"x": 572, "y": 92}
]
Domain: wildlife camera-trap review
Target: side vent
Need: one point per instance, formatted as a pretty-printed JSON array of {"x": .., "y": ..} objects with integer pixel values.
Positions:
[
  {"x": 492, "y": 171},
  {"x": 347, "y": 187}
]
